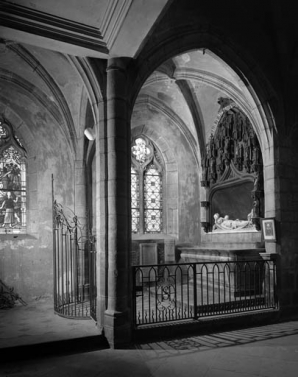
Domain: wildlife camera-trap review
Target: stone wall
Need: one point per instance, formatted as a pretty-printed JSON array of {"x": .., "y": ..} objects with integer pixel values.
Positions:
[
  {"x": 287, "y": 222},
  {"x": 26, "y": 261}
]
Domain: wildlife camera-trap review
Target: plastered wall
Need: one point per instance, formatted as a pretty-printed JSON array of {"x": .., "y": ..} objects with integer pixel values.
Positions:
[{"x": 26, "y": 261}]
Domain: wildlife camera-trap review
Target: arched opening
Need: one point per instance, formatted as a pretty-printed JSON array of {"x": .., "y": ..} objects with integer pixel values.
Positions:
[
  {"x": 218, "y": 152},
  {"x": 184, "y": 102}
]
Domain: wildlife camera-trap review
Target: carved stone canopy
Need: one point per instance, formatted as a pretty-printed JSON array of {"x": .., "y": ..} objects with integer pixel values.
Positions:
[{"x": 234, "y": 140}]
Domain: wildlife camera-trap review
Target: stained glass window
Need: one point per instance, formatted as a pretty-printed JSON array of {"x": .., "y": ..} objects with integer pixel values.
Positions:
[
  {"x": 146, "y": 188},
  {"x": 12, "y": 182}
]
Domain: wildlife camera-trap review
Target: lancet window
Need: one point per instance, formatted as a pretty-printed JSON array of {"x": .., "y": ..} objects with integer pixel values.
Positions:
[
  {"x": 12, "y": 181},
  {"x": 146, "y": 188}
]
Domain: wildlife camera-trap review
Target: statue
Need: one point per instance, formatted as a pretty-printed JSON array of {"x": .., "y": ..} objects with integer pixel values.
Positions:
[
  {"x": 227, "y": 145},
  {"x": 213, "y": 169},
  {"x": 225, "y": 223},
  {"x": 257, "y": 183},
  {"x": 256, "y": 208}
]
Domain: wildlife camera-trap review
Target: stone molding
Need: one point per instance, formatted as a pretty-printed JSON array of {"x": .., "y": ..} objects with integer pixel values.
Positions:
[
  {"x": 91, "y": 82},
  {"x": 28, "y": 20}
]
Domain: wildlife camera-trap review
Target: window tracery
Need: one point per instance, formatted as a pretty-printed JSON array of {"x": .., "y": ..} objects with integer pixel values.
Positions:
[{"x": 12, "y": 181}]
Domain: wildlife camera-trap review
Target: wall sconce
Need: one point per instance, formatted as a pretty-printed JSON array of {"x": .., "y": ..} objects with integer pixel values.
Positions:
[{"x": 89, "y": 133}]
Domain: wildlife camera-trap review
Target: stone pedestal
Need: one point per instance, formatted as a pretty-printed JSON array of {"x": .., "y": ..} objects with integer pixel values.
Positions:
[
  {"x": 195, "y": 254},
  {"x": 169, "y": 250}
]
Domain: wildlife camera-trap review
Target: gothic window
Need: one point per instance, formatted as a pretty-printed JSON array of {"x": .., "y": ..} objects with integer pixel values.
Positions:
[
  {"x": 146, "y": 188},
  {"x": 12, "y": 181}
]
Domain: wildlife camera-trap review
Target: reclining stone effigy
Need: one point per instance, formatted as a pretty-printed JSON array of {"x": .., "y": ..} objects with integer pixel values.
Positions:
[{"x": 225, "y": 223}]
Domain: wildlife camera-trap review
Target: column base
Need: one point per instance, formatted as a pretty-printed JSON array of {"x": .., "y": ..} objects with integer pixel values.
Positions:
[{"x": 117, "y": 328}]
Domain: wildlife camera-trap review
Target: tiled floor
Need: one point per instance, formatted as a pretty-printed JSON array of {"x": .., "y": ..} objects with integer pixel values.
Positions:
[{"x": 270, "y": 350}]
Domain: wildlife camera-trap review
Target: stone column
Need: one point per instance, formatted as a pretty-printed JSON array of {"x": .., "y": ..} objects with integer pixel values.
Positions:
[
  {"x": 100, "y": 223},
  {"x": 117, "y": 326}
]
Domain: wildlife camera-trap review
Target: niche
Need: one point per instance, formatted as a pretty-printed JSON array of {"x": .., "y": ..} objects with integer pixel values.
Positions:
[{"x": 234, "y": 201}]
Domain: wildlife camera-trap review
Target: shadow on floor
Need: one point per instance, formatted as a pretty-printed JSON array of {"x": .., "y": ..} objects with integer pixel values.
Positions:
[
  {"x": 57, "y": 348},
  {"x": 219, "y": 339}
]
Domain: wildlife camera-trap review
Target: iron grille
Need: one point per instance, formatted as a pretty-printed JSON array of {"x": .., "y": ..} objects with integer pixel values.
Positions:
[
  {"x": 135, "y": 201},
  {"x": 74, "y": 266},
  {"x": 163, "y": 293}
]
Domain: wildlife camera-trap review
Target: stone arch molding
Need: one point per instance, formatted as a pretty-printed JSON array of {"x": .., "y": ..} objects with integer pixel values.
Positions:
[
  {"x": 171, "y": 176},
  {"x": 61, "y": 113},
  {"x": 257, "y": 90},
  {"x": 146, "y": 100}
]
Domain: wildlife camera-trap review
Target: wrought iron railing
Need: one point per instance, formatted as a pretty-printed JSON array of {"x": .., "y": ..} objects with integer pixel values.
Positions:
[
  {"x": 173, "y": 292},
  {"x": 74, "y": 266}
]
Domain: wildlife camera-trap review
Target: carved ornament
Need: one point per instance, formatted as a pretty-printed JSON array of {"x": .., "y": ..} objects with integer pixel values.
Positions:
[{"x": 205, "y": 225}]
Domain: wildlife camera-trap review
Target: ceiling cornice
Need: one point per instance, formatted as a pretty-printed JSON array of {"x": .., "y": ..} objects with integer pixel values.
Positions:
[
  {"x": 99, "y": 29},
  {"x": 113, "y": 20},
  {"x": 17, "y": 17}
]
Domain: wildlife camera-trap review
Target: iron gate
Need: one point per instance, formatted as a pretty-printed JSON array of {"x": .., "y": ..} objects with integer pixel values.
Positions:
[{"x": 74, "y": 266}]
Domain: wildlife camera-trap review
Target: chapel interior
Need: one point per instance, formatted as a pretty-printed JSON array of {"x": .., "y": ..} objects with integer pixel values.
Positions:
[{"x": 152, "y": 133}]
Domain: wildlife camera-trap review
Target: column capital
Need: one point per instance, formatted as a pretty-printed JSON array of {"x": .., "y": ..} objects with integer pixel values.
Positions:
[{"x": 118, "y": 64}]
